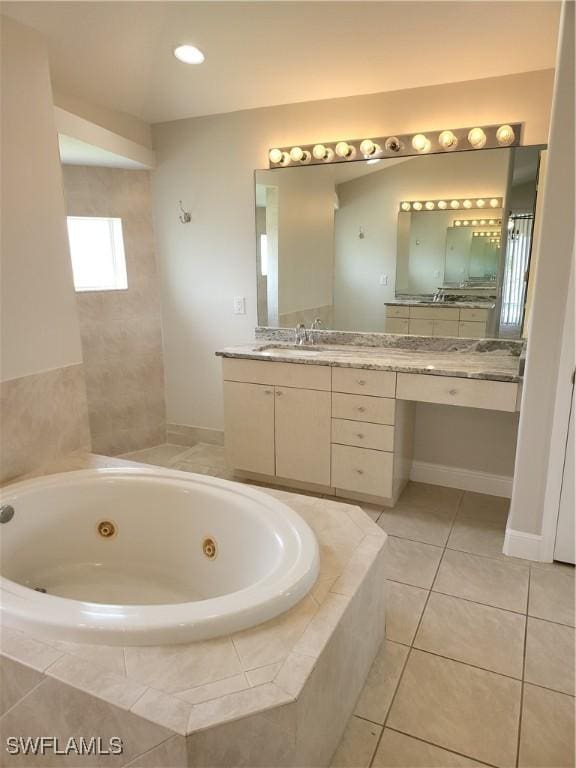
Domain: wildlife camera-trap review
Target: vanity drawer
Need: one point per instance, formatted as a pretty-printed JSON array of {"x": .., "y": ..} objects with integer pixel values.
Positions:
[
  {"x": 283, "y": 374},
  {"x": 362, "y": 470},
  {"x": 378, "y": 410},
  {"x": 392, "y": 311},
  {"x": 468, "y": 330},
  {"x": 396, "y": 325},
  {"x": 422, "y": 327},
  {"x": 445, "y": 328},
  {"x": 379, "y": 437},
  {"x": 476, "y": 315},
  {"x": 450, "y": 390},
  {"x": 434, "y": 313},
  {"x": 359, "y": 381}
]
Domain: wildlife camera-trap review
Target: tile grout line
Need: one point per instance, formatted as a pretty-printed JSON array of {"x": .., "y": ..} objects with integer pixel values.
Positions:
[
  {"x": 452, "y": 751},
  {"x": 520, "y": 713},
  {"x": 398, "y": 684}
]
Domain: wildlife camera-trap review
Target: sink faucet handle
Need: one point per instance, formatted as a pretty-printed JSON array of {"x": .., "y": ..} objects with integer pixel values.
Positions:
[{"x": 300, "y": 333}]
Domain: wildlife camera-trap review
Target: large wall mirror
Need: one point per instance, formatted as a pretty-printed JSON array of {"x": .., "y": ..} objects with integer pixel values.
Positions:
[{"x": 431, "y": 245}]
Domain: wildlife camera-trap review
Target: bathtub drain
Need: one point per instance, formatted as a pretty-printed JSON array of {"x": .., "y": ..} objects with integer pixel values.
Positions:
[{"x": 106, "y": 529}]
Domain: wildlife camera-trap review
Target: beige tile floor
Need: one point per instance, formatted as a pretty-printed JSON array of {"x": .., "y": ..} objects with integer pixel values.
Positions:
[{"x": 478, "y": 663}]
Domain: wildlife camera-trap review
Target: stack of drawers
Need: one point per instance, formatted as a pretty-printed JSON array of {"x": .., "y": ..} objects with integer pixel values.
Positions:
[{"x": 363, "y": 418}]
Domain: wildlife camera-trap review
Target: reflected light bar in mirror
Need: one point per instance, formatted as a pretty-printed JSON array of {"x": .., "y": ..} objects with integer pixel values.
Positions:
[
  {"x": 455, "y": 204},
  {"x": 411, "y": 144}
]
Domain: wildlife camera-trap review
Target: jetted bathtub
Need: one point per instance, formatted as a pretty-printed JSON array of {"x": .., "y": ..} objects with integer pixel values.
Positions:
[{"x": 135, "y": 556}]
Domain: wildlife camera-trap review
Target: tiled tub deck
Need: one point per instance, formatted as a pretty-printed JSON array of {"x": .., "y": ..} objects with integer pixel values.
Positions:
[{"x": 279, "y": 694}]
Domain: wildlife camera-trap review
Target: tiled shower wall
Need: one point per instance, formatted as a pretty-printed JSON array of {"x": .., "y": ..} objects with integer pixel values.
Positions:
[{"x": 121, "y": 330}]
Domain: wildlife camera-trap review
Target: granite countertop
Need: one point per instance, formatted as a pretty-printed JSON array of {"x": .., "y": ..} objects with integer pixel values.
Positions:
[
  {"x": 459, "y": 304},
  {"x": 473, "y": 361}
]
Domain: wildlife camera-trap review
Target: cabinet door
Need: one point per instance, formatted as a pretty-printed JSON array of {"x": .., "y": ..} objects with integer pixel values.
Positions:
[
  {"x": 303, "y": 435},
  {"x": 249, "y": 426}
]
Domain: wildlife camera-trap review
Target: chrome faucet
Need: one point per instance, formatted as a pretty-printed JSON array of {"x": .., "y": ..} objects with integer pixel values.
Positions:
[
  {"x": 300, "y": 335},
  {"x": 316, "y": 325}
]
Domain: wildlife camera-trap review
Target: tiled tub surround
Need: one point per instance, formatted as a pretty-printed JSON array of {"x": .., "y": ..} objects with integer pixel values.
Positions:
[
  {"x": 278, "y": 694},
  {"x": 121, "y": 330},
  {"x": 43, "y": 417}
]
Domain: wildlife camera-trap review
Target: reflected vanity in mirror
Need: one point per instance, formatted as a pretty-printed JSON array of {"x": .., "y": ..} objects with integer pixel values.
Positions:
[{"x": 435, "y": 245}]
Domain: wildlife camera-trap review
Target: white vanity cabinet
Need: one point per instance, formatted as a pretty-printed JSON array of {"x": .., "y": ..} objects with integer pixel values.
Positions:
[
  {"x": 336, "y": 429},
  {"x": 342, "y": 431},
  {"x": 280, "y": 427},
  {"x": 418, "y": 320}
]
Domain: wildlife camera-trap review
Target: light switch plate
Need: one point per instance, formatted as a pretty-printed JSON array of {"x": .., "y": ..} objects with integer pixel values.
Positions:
[{"x": 239, "y": 305}]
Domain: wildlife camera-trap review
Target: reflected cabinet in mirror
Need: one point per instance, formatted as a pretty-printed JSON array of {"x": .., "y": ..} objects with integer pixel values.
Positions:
[{"x": 430, "y": 245}]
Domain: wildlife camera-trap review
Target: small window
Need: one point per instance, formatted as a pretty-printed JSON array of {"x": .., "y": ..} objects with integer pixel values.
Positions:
[{"x": 97, "y": 252}]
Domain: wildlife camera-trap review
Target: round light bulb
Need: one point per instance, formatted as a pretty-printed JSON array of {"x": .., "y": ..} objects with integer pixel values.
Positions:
[
  {"x": 319, "y": 151},
  {"x": 465, "y": 223},
  {"x": 474, "y": 223},
  {"x": 306, "y": 157},
  {"x": 480, "y": 203},
  {"x": 482, "y": 222},
  {"x": 494, "y": 203},
  {"x": 285, "y": 160},
  {"x": 457, "y": 223},
  {"x": 442, "y": 204},
  {"x": 455, "y": 204},
  {"x": 393, "y": 144},
  {"x": 477, "y": 138},
  {"x": 275, "y": 155},
  {"x": 447, "y": 140},
  {"x": 405, "y": 206},
  {"x": 343, "y": 149},
  {"x": 417, "y": 206},
  {"x": 296, "y": 154},
  {"x": 475, "y": 234},
  {"x": 188, "y": 54},
  {"x": 430, "y": 205},
  {"x": 368, "y": 148},
  {"x": 467, "y": 204},
  {"x": 420, "y": 143},
  {"x": 505, "y": 135}
]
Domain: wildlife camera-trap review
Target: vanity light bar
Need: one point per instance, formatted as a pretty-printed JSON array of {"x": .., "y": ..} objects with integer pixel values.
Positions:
[
  {"x": 403, "y": 145},
  {"x": 456, "y": 204},
  {"x": 495, "y": 234},
  {"x": 477, "y": 222}
]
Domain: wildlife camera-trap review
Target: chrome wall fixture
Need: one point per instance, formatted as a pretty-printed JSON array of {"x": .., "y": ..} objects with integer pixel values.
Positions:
[
  {"x": 456, "y": 204},
  {"x": 403, "y": 145}
]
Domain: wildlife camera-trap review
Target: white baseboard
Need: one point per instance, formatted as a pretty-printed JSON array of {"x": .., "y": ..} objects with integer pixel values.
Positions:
[
  {"x": 464, "y": 479},
  {"x": 525, "y": 545}
]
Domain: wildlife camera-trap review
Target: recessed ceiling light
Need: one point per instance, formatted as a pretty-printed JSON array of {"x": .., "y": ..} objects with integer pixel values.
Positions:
[{"x": 188, "y": 54}]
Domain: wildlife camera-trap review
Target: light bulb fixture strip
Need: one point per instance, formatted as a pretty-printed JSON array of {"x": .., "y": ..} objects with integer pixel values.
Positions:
[
  {"x": 453, "y": 204},
  {"x": 447, "y": 140}
]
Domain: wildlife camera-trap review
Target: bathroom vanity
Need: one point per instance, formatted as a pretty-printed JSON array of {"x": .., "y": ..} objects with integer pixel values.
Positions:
[
  {"x": 467, "y": 319},
  {"x": 338, "y": 417}
]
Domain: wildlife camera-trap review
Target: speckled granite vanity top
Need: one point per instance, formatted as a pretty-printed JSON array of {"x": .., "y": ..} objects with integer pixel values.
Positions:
[
  {"x": 492, "y": 359},
  {"x": 460, "y": 304}
]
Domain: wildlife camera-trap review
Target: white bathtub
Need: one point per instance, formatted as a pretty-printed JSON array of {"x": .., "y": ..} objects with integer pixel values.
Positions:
[{"x": 155, "y": 580}]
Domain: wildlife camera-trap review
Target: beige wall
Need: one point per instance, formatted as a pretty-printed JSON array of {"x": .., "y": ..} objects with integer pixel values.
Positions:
[
  {"x": 121, "y": 330},
  {"x": 39, "y": 322},
  {"x": 43, "y": 397},
  {"x": 209, "y": 163},
  {"x": 555, "y": 255}
]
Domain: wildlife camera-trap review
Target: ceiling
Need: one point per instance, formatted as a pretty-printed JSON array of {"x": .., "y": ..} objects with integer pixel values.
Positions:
[{"x": 118, "y": 55}]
